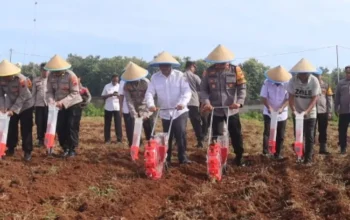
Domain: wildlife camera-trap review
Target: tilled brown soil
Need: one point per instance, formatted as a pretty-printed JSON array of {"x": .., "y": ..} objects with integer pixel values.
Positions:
[{"x": 103, "y": 183}]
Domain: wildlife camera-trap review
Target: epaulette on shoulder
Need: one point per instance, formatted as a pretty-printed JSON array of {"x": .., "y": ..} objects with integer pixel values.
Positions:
[
  {"x": 29, "y": 83},
  {"x": 73, "y": 78},
  {"x": 240, "y": 75},
  {"x": 329, "y": 91}
]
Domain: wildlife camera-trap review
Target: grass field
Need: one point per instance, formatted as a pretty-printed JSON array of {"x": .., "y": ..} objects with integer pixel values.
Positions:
[{"x": 103, "y": 183}]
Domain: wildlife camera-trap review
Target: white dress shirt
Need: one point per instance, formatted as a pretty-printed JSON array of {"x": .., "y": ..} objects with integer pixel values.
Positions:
[
  {"x": 125, "y": 108},
  {"x": 276, "y": 96},
  {"x": 171, "y": 91},
  {"x": 111, "y": 103}
]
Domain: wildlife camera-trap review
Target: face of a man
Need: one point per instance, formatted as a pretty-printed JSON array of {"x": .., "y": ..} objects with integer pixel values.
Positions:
[
  {"x": 115, "y": 80},
  {"x": 193, "y": 68},
  {"x": 8, "y": 78},
  {"x": 44, "y": 73},
  {"x": 303, "y": 76},
  {"x": 58, "y": 73},
  {"x": 347, "y": 72},
  {"x": 165, "y": 68},
  {"x": 221, "y": 66}
]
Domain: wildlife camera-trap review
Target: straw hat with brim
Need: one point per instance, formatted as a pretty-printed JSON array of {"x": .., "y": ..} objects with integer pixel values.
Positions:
[
  {"x": 220, "y": 55},
  {"x": 278, "y": 74},
  {"x": 304, "y": 66},
  {"x": 57, "y": 63},
  {"x": 8, "y": 69},
  {"x": 164, "y": 58},
  {"x": 134, "y": 72}
]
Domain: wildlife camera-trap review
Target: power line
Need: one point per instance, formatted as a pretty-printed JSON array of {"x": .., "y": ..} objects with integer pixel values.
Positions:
[
  {"x": 27, "y": 54},
  {"x": 286, "y": 53},
  {"x": 346, "y": 48}
]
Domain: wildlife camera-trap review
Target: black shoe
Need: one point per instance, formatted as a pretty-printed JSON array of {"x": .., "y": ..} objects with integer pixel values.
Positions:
[
  {"x": 238, "y": 161},
  {"x": 65, "y": 153},
  {"x": 186, "y": 161},
  {"x": 324, "y": 152},
  {"x": 72, "y": 153},
  {"x": 279, "y": 157},
  {"x": 308, "y": 162},
  {"x": 199, "y": 144},
  {"x": 10, "y": 152},
  {"x": 107, "y": 142},
  {"x": 27, "y": 156},
  {"x": 41, "y": 143},
  {"x": 343, "y": 150}
]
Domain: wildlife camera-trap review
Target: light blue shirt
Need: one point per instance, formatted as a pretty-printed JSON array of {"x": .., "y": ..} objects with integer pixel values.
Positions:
[{"x": 276, "y": 95}]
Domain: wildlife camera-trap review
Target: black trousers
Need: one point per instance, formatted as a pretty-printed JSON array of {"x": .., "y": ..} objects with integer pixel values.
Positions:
[
  {"x": 322, "y": 122},
  {"x": 196, "y": 122},
  {"x": 281, "y": 128},
  {"x": 178, "y": 130},
  {"x": 26, "y": 122},
  {"x": 68, "y": 125},
  {"x": 129, "y": 127},
  {"x": 343, "y": 123},
  {"x": 205, "y": 117},
  {"x": 117, "y": 125},
  {"x": 235, "y": 131},
  {"x": 41, "y": 114},
  {"x": 309, "y": 136}
]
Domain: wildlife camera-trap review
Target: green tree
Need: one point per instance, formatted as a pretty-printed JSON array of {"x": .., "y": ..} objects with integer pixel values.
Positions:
[{"x": 254, "y": 74}]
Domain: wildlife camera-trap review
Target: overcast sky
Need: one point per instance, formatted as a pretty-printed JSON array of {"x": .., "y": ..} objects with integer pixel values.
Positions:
[{"x": 249, "y": 28}]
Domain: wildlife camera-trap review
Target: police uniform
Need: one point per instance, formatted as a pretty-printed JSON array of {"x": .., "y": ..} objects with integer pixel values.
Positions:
[
  {"x": 223, "y": 88},
  {"x": 64, "y": 89},
  {"x": 18, "y": 100},
  {"x": 134, "y": 93},
  {"x": 41, "y": 109},
  {"x": 342, "y": 107},
  {"x": 324, "y": 111}
]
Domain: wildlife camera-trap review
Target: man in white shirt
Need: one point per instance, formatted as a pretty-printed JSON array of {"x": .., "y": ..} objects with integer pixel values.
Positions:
[
  {"x": 304, "y": 90},
  {"x": 125, "y": 113},
  {"x": 173, "y": 91},
  {"x": 112, "y": 109},
  {"x": 275, "y": 99}
]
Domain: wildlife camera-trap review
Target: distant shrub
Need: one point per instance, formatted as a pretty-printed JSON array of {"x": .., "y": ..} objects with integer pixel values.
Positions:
[
  {"x": 92, "y": 111},
  {"x": 257, "y": 115}
]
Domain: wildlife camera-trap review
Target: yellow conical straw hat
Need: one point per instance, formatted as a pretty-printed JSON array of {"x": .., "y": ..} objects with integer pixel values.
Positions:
[
  {"x": 133, "y": 72},
  {"x": 57, "y": 63},
  {"x": 220, "y": 55},
  {"x": 303, "y": 66},
  {"x": 8, "y": 69},
  {"x": 278, "y": 74},
  {"x": 164, "y": 58}
]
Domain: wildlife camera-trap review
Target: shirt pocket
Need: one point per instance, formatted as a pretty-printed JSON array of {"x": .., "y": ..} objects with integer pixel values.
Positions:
[
  {"x": 230, "y": 85},
  {"x": 15, "y": 90}
]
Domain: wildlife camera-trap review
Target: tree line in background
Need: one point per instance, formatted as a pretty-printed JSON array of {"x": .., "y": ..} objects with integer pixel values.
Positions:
[{"x": 95, "y": 72}]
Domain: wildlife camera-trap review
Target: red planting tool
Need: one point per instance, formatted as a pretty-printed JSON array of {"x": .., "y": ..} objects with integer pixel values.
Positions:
[
  {"x": 4, "y": 127},
  {"x": 51, "y": 128},
  {"x": 299, "y": 136},
  {"x": 156, "y": 151},
  {"x": 218, "y": 151}
]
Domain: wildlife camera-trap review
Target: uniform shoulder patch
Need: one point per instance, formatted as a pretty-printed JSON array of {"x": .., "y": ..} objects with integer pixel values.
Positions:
[
  {"x": 329, "y": 91},
  {"x": 29, "y": 83},
  {"x": 74, "y": 79},
  {"x": 240, "y": 75}
]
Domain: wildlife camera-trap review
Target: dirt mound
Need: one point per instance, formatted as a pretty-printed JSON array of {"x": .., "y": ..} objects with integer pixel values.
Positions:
[{"x": 103, "y": 183}]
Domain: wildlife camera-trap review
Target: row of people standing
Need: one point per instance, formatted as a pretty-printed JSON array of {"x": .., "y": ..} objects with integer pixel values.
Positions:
[
  {"x": 57, "y": 86},
  {"x": 224, "y": 85},
  {"x": 307, "y": 93}
]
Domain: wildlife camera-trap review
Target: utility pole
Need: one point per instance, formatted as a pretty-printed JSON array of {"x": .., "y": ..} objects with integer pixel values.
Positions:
[
  {"x": 11, "y": 54},
  {"x": 337, "y": 62}
]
